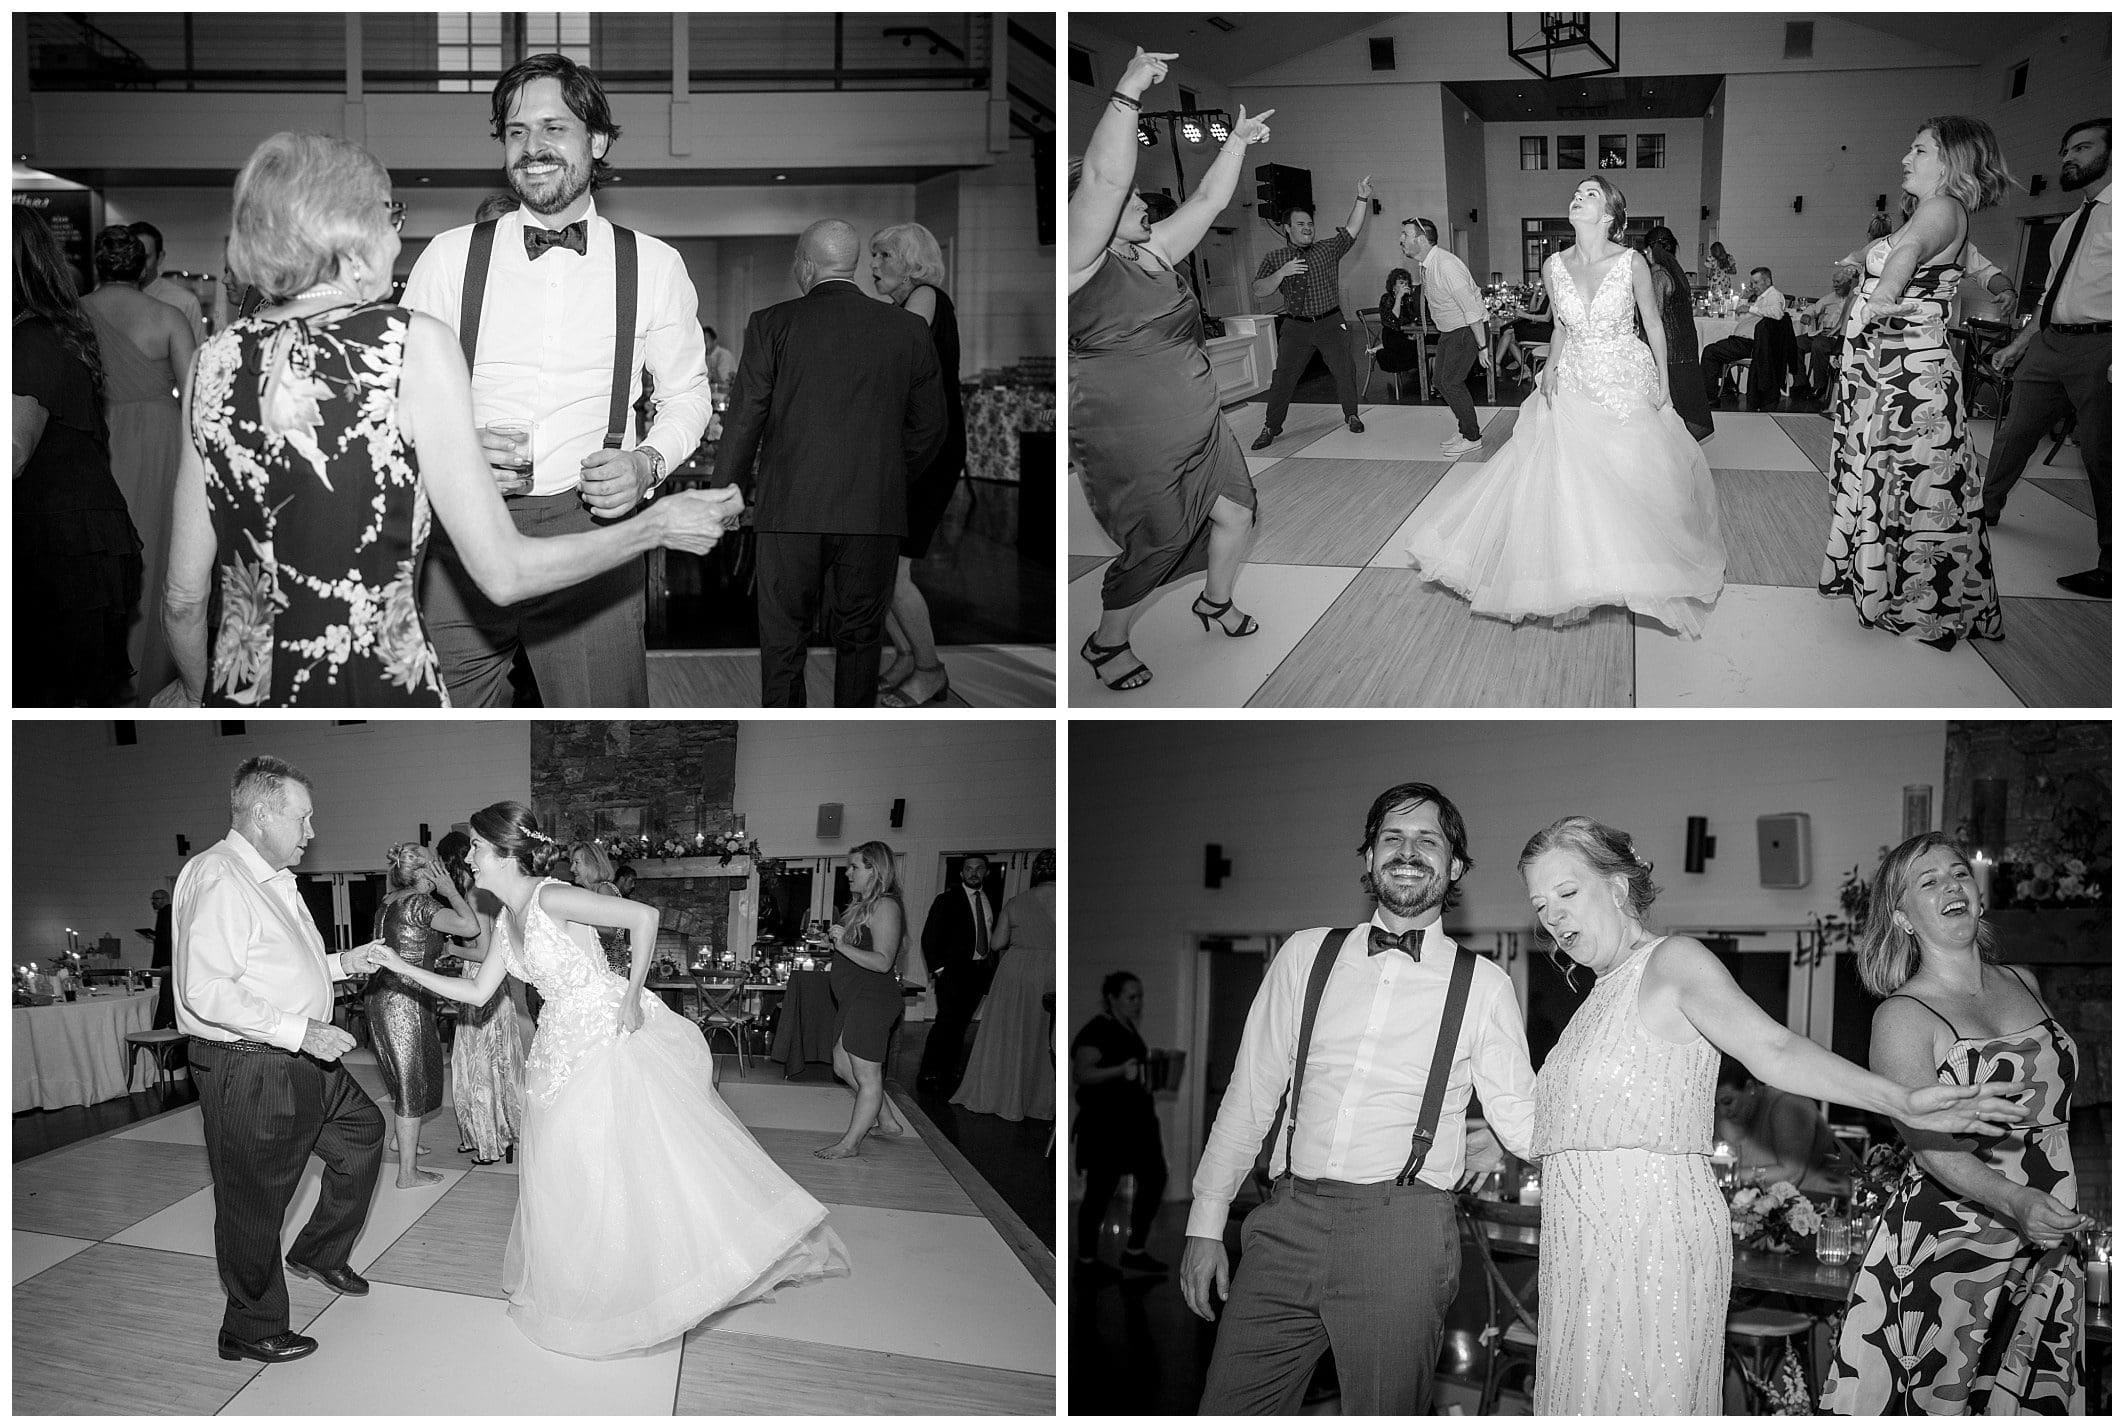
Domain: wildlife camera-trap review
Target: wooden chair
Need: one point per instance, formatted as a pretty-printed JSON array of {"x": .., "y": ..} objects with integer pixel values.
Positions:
[
  {"x": 1753, "y": 1337},
  {"x": 1371, "y": 321},
  {"x": 1509, "y": 1322},
  {"x": 165, "y": 1047},
  {"x": 723, "y": 1010}
]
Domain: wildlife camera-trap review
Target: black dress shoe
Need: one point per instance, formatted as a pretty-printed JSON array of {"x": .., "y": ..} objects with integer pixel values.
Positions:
[
  {"x": 1355, "y": 425},
  {"x": 1267, "y": 439},
  {"x": 2087, "y": 582},
  {"x": 342, "y": 1279},
  {"x": 275, "y": 1349}
]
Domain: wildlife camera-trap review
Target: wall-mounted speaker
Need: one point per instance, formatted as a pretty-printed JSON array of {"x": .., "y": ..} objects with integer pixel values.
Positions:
[
  {"x": 899, "y": 811},
  {"x": 829, "y": 820},
  {"x": 1215, "y": 866},
  {"x": 1697, "y": 845},
  {"x": 423, "y": 835},
  {"x": 1781, "y": 841},
  {"x": 184, "y": 846}
]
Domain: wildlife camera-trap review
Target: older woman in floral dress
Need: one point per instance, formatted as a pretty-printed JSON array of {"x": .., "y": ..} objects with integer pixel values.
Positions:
[{"x": 323, "y": 434}]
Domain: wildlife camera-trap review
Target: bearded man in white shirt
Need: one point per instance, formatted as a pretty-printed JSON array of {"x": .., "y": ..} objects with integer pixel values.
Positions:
[
  {"x": 254, "y": 994},
  {"x": 543, "y": 354},
  {"x": 1356, "y": 1248}
]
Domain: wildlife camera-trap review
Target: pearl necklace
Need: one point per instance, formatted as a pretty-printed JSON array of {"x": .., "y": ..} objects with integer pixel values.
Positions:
[{"x": 325, "y": 290}]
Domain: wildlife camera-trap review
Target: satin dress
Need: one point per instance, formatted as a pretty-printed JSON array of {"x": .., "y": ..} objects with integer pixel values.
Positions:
[{"x": 402, "y": 1016}]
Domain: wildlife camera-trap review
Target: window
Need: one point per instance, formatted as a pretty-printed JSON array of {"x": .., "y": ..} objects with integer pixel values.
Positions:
[
  {"x": 1651, "y": 151},
  {"x": 1533, "y": 152},
  {"x": 466, "y": 44},
  {"x": 1080, "y": 67},
  {"x": 1615, "y": 151},
  {"x": 1187, "y": 101},
  {"x": 1570, "y": 151},
  {"x": 2017, "y": 83},
  {"x": 566, "y": 32}
]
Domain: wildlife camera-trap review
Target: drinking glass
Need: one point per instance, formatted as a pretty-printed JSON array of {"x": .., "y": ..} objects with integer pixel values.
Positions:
[
  {"x": 508, "y": 445},
  {"x": 1832, "y": 1242}
]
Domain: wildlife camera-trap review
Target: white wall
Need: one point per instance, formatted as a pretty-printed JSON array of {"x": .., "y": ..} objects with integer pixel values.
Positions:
[
  {"x": 2068, "y": 81},
  {"x": 1287, "y": 802},
  {"x": 96, "y": 824},
  {"x": 1672, "y": 193},
  {"x": 969, "y": 786}
]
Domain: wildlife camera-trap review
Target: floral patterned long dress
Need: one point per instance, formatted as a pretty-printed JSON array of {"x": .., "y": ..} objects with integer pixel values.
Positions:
[
  {"x": 1907, "y": 544},
  {"x": 320, "y": 520}
]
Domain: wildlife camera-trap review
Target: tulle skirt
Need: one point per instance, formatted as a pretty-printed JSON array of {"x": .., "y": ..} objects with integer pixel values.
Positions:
[
  {"x": 644, "y": 1205},
  {"x": 1582, "y": 508}
]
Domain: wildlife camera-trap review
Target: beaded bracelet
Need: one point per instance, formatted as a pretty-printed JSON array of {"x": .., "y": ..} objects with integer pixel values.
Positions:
[{"x": 1124, "y": 99}]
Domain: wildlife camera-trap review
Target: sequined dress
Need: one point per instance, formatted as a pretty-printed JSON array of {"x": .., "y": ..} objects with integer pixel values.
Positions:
[
  {"x": 1926, "y": 1330},
  {"x": 402, "y": 1016},
  {"x": 1636, "y": 1244},
  {"x": 1599, "y": 498},
  {"x": 643, "y": 1204}
]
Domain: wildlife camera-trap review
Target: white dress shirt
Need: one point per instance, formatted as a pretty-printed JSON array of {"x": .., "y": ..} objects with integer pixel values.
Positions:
[
  {"x": 2085, "y": 294},
  {"x": 1370, "y": 1059},
  {"x": 177, "y": 295},
  {"x": 1768, "y": 303},
  {"x": 1449, "y": 290},
  {"x": 249, "y": 963},
  {"x": 545, "y": 342}
]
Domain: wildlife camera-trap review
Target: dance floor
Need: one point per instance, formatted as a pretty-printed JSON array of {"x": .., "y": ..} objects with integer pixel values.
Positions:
[
  {"x": 982, "y": 677},
  {"x": 950, "y": 1308},
  {"x": 1346, "y": 623}
]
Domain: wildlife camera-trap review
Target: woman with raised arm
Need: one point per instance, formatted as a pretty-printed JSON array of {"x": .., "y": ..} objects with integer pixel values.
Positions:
[
  {"x": 1636, "y": 1242},
  {"x": 1601, "y": 497},
  {"x": 413, "y": 921},
  {"x": 487, "y": 1055},
  {"x": 643, "y": 1205},
  {"x": 1163, "y": 472}
]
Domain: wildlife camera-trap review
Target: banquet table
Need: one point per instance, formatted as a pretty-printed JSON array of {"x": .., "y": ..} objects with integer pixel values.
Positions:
[
  {"x": 74, "y": 1053},
  {"x": 1713, "y": 329}
]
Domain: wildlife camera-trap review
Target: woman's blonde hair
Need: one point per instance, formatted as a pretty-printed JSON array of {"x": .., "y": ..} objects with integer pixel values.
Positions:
[
  {"x": 879, "y": 856},
  {"x": 599, "y": 860},
  {"x": 1969, "y": 152},
  {"x": 1887, "y": 955},
  {"x": 302, "y": 201},
  {"x": 915, "y": 249}
]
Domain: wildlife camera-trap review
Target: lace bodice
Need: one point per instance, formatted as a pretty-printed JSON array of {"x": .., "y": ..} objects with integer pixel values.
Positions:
[
  {"x": 1602, "y": 356},
  {"x": 582, "y": 998}
]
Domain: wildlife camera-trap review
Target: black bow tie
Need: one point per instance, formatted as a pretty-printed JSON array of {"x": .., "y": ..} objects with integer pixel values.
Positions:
[
  {"x": 1410, "y": 942},
  {"x": 537, "y": 240}
]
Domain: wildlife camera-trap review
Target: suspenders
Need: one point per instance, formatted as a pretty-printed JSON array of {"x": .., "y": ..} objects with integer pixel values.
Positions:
[
  {"x": 624, "y": 298},
  {"x": 1434, "y": 1090}
]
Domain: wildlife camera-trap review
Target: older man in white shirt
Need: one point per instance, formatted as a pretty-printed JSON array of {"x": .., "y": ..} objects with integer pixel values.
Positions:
[
  {"x": 1463, "y": 322},
  {"x": 1764, "y": 301},
  {"x": 1357, "y": 1248},
  {"x": 254, "y": 994},
  {"x": 544, "y": 350}
]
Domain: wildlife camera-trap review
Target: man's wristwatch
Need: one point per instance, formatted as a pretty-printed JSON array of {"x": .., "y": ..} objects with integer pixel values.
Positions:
[{"x": 656, "y": 469}]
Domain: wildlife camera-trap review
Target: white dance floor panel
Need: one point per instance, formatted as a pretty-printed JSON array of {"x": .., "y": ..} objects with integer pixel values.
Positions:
[{"x": 1767, "y": 645}]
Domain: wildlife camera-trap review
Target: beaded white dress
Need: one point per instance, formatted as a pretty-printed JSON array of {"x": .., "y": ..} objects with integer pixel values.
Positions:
[
  {"x": 1599, "y": 498},
  {"x": 643, "y": 1204},
  {"x": 1636, "y": 1244}
]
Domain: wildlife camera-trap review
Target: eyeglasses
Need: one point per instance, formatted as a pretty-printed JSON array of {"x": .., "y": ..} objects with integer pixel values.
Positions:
[{"x": 398, "y": 215}]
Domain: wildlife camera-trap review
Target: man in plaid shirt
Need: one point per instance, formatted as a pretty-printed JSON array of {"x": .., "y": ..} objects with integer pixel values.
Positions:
[{"x": 1307, "y": 275}]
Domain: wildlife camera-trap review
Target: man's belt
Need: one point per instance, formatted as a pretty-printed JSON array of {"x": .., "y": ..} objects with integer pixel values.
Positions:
[
  {"x": 2078, "y": 329},
  {"x": 1320, "y": 316},
  {"x": 246, "y": 1046}
]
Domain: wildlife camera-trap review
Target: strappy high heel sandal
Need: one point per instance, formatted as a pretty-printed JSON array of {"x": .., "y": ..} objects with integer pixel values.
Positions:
[
  {"x": 1098, "y": 656},
  {"x": 1207, "y": 612}
]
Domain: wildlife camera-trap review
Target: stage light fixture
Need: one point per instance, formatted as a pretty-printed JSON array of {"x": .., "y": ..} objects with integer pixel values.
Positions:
[
  {"x": 1219, "y": 129},
  {"x": 1191, "y": 130},
  {"x": 1146, "y": 133}
]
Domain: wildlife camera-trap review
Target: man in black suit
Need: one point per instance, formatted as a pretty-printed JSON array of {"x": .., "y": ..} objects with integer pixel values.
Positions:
[
  {"x": 955, "y": 945},
  {"x": 839, "y": 397},
  {"x": 166, "y": 1004}
]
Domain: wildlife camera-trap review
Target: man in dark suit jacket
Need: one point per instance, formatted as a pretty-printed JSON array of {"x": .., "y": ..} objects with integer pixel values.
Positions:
[
  {"x": 955, "y": 945},
  {"x": 166, "y": 1003},
  {"x": 839, "y": 397}
]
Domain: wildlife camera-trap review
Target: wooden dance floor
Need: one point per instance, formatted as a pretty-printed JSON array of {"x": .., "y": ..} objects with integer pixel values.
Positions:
[
  {"x": 1346, "y": 622},
  {"x": 950, "y": 1308}
]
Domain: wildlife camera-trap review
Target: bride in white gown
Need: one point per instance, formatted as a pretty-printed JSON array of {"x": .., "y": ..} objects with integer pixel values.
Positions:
[
  {"x": 1601, "y": 497},
  {"x": 643, "y": 1205}
]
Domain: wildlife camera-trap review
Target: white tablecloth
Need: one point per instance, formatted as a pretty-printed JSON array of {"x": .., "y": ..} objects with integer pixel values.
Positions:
[
  {"x": 1711, "y": 329},
  {"x": 74, "y": 1053}
]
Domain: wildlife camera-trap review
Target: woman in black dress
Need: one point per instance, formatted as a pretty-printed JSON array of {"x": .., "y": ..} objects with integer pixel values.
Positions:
[
  {"x": 1397, "y": 350},
  {"x": 1117, "y": 1126},
  {"x": 401, "y": 1015},
  {"x": 907, "y": 267},
  {"x": 77, "y": 554},
  {"x": 1161, "y": 468},
  {"x": 1677, "y": 315},
  {"x": 867, "y": 943}
]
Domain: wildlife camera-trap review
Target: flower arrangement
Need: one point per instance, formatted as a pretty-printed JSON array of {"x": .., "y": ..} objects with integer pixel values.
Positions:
[
  {"x": 657, "y": 847},
  {"x": 1778, "y": 1219},
  {"x": 2045, "y": 873}
]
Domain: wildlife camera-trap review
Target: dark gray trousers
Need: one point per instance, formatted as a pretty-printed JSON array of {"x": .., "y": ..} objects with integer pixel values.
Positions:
[
  {"x": 1457, "y": 354},
  {"x": 1367, "y": 1270},
  {"x": 2062, "y": 372}
]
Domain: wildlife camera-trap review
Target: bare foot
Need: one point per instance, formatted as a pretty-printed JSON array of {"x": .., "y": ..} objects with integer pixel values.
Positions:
[
  {"x": 418, "y": 1150},
  {"x": 839, "y": 1150},
  {"x": 887, "y": 1132},
  {"x": 419, "y": 1178}
]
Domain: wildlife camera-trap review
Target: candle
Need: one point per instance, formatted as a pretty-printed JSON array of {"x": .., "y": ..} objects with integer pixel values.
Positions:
[
  {"x": 2098, "y": 1281},
  {"x": 1981, "y": 866}
]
